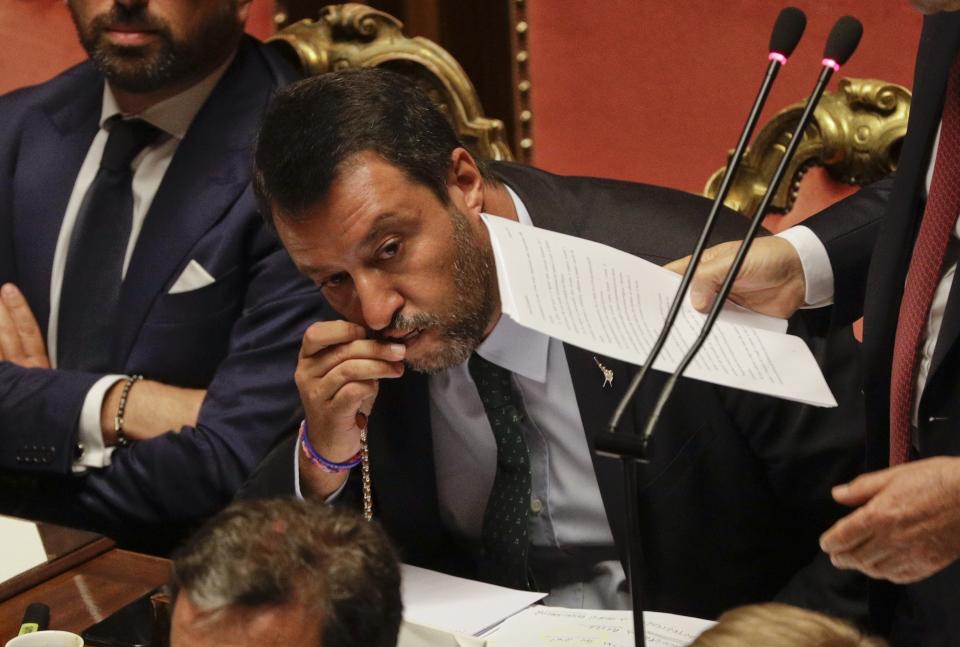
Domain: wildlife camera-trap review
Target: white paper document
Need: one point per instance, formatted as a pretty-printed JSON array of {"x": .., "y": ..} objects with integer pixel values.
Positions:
[
  {"x": 613, "y": 303},
  {"x": 414, "y": 635},
  {"x": 541, "y": 626},
  {"x": 458, "y": 605},
  {"x": 20, "y": 547}
]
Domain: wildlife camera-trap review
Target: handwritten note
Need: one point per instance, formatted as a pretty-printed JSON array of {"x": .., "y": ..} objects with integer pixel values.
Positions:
[{"x": 541, "y": 626}]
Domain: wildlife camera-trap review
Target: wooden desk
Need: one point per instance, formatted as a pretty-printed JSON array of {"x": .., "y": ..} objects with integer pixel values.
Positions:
[{"x": 89, "y": 592}]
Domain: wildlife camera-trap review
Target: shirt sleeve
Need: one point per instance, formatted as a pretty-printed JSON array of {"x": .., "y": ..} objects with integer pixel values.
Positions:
[
  {"x": 817, "y": 271},
  {"x": 94, "y": 453}
]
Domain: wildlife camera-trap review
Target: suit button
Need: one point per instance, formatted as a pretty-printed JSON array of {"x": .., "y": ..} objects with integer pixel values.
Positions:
[
  {"x": 937, "y": 419},
  {"x": 536, "y": 505},
  {"x": 19, "y": 459}
]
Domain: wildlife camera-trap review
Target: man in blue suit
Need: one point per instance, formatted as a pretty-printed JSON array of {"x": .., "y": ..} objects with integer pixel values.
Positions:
[{"x": 149, "y": 323}]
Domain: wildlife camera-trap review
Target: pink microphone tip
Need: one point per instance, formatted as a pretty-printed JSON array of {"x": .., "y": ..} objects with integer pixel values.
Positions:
[
  {"x": 778, "y": 57},
  {"x": 829, "y": 62}
]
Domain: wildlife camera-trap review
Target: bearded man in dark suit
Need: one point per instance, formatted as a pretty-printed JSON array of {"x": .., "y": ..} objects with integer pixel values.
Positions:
[
  {"x": 149, "y": 322},
  {"x": 480, "y": 431}
]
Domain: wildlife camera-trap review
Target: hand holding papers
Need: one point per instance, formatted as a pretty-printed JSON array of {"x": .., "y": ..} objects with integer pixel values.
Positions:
[{"x": 613, "y": 303}]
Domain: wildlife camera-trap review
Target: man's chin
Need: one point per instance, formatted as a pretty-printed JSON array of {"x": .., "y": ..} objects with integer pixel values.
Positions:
[{"x": 432, "y": 358}]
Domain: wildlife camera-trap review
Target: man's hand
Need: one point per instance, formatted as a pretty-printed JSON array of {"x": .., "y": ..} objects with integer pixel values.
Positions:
[
  {"x": 20, "y": 339},
  {"x": 770, "y": 281},
  {"x": 908, "y": 525},
  {"x": 337, "y": 376}
]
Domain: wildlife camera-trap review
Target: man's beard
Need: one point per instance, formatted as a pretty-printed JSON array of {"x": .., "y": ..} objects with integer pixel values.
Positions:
[
  {"x": 461, "y": 330},
  {"x": 148, "y": 68}
]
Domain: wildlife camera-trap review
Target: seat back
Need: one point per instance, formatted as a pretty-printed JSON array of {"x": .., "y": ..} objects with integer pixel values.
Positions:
[
  {"x": 355, "y": 35},
  {"x": 855, "y": 135}
]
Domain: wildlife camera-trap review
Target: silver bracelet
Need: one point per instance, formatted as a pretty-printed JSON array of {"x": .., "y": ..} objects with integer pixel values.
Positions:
[{"x": 122, "y": 408}]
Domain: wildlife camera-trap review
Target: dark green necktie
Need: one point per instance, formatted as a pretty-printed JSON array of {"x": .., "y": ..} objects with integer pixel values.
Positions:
[{"x": 504, "y": 539}]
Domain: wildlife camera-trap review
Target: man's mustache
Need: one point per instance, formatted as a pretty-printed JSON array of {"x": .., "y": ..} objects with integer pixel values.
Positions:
[
  {"x": 401, "y": 325},
  {"x": 135, "y": 17}
]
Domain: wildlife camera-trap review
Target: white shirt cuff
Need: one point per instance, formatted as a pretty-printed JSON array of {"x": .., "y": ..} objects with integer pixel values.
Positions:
[
  {"x": 817, "y": 271},
  {"x": 89, "y": 433},
  {"x": 297, "y": 491}
]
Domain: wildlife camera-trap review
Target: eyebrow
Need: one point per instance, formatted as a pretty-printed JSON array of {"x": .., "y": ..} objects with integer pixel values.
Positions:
[{"x": 382, "y": 223}]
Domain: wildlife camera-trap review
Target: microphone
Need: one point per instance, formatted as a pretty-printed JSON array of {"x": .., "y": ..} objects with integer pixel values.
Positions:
[
  {"x": 842, "y": 42},
  {"x": 787, "y": 31}
]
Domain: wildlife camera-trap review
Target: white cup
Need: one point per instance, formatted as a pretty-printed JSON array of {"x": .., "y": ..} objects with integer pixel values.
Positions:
[{"x": 47, "y": 638}]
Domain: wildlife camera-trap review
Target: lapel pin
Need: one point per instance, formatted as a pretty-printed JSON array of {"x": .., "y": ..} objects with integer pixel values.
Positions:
[{"x": 607, "y": 374}]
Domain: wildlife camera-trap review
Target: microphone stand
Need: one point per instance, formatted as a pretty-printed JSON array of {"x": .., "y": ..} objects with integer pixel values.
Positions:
[
  {"x": 631, "y": 448},
  {"x": 624, "y": 446}
]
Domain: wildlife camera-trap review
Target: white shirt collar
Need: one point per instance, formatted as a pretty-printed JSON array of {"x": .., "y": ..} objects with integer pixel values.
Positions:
[
  {"x": 519, "y": 350},
  {"x": 174, "y": 115}
]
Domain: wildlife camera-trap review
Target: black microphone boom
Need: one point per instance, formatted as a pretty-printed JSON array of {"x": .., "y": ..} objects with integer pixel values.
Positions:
[
  {"x": 843, "y": 40},
  {"x": 787, "y": 31}
]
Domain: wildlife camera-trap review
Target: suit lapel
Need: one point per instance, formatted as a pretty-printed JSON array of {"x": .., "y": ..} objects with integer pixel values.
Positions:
[
  {"x": 46, "y": 171},
  {"x": 549, "y": 209},
  {"x": 207, "y": 175},
  {"x": 597, "y": 403}
]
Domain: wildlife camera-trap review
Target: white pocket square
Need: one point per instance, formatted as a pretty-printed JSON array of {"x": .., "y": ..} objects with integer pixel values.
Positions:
[{"x": 193, "y": 277}]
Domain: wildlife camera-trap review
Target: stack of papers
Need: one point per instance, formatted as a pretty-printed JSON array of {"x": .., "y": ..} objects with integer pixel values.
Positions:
[
  {"x": 541, "y": 626},
  {"x": 458, "y": 605},
  {"x": 20, "y": 547},
  {"x": 445, "y": 611}
]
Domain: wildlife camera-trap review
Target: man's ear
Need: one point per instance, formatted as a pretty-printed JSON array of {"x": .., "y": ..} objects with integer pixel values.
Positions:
[
  {"x": 464, "y": 179},
  {"x": 243, "y": 11}
]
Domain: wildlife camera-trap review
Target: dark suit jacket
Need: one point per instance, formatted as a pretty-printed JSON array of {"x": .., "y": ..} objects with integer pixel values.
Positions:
[
  {"x": 869, "y": 238},
  {"x": 737, "y": 489},
  {"x": 238, "y": 337}
]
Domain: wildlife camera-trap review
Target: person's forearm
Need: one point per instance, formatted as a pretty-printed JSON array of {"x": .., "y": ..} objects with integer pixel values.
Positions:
[{"x": 152, "y": 409}]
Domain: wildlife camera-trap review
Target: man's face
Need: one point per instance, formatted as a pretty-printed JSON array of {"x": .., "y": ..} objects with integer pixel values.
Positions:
[
  {"x": 146, "y": 45},
  {"x": 190, "y": 626},
  {"x": 388, "y": 255},
  {"x": 934, "y": 6}
]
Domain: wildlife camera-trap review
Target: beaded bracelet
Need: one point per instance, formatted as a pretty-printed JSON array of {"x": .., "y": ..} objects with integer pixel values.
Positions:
[
  {"x": 122, "y": 409},
  {"x": 321, "y": 462}
]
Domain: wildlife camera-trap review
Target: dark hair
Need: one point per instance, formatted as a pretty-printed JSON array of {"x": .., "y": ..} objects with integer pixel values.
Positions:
[
  {"x": 312, "y": 127},
  {"x": 274, "y": 552}
]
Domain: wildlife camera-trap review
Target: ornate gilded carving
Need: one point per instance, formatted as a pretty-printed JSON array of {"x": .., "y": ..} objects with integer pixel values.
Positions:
[
  {"x": 855, "y": 134},
  {"x": 354, "y": 35}
]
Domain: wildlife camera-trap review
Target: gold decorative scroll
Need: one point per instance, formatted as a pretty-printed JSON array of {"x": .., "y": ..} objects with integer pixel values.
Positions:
[
  {"x": 855, "y": 134},
  {"x": 355, "y": 35}
]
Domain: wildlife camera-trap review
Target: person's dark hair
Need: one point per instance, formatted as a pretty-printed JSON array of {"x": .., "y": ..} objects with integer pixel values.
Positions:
[
  {"x": 276, "y": 552},
  {"x": 313, "y": 127}
]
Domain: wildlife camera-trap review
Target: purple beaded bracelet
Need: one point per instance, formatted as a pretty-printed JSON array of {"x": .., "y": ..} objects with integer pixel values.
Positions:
[{"x": 321, "y": 462}]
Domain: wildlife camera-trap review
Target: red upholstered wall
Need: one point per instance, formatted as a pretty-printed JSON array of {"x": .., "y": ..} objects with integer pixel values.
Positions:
[
  {"x": 37, "y": 39},
  {"x": 658, "y": 91}
]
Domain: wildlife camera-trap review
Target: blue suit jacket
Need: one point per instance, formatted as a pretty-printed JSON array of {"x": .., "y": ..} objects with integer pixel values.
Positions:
[{"x": 238, "y": 337}]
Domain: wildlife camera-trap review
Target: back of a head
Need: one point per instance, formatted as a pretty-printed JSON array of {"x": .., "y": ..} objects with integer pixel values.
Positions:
[
  {"x": 761, "y": 625},
  {"x": 313, "y": 127},
  {"x": 263, "y": 555}
]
